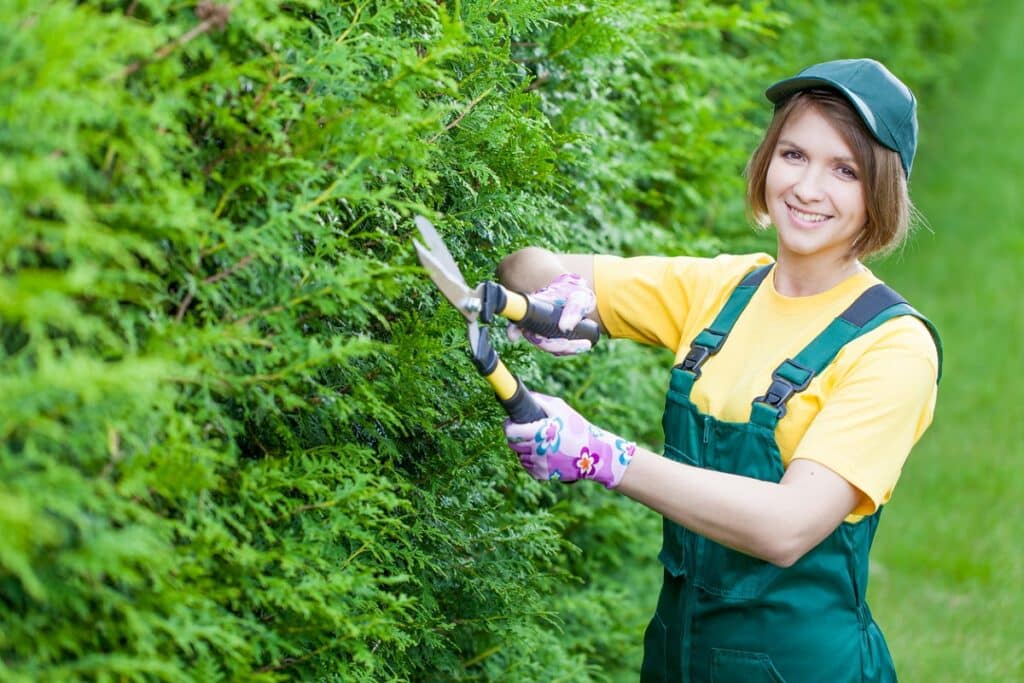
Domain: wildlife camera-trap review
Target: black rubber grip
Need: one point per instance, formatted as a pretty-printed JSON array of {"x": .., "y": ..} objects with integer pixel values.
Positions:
[
  {"x": 484, "y": 357},
  {"x": 542, "y": 318},
  {"x": 521, "y": 408},
  {"x": 494, "y": 301}
]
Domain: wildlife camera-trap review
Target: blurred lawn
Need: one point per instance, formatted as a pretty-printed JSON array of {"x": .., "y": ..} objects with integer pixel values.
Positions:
[{"x": 948, "y": 581}]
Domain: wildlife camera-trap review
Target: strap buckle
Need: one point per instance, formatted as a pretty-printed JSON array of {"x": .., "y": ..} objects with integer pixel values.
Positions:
[
  {"x": 695, "y": 358},
  {"x": 707, "y": 344},
  {"x": 783, "y": 388}
]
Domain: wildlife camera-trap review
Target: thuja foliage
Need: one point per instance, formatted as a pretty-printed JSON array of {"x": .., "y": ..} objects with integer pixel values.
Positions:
[{"x": 240, "y": 438}]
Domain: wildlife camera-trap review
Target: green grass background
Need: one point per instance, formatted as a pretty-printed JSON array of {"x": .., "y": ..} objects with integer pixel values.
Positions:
[{"x": 948, "y": 573}]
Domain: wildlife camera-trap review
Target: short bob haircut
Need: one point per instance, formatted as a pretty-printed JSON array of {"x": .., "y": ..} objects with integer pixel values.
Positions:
[{"x": 886, "y": 198}]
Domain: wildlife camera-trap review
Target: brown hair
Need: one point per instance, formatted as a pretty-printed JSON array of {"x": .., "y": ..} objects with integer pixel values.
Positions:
[{"x": 886, "y": 199}]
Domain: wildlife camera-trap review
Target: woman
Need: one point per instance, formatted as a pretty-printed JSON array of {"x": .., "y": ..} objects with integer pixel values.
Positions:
[{"x": 801, "y": 385}]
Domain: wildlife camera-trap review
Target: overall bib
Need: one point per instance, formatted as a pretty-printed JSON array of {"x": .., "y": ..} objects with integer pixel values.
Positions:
[{"x": 727, "y": 617}]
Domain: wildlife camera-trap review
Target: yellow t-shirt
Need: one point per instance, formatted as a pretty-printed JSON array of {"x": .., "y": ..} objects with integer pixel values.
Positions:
[{"x": 859, "y": 417}]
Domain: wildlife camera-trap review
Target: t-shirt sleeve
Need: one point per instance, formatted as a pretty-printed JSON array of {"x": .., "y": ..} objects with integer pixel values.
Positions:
[
  {"x": 878, "y": 409},
  {"x": 656, "y": 299}
]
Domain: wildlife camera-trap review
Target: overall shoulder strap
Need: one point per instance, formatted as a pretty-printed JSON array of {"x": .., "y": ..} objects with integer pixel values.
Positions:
[
  {"x": 710, "y": 340},
  {"x": 873, "y": 307}
]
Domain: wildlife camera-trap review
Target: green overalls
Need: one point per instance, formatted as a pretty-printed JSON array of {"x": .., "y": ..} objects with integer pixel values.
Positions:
[{"x": 727, "y": 617}]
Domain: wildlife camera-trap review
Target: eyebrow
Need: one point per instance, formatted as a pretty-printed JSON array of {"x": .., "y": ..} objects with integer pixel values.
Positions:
[{"x": 790, "y": 143}]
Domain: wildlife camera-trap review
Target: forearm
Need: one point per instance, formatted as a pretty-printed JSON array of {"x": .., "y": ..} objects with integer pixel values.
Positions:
[
  {"x": 533, "y": 268},
  {"x": 530, "y": 269},
  {"x": 776, "y": 522}
]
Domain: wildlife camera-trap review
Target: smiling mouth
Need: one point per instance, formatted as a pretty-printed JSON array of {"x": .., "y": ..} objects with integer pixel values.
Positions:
[{"x": 806, "y": 217}]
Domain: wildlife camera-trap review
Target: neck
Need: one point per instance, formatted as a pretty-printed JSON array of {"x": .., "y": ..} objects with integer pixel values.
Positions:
[{"x": 807, "y": 277}]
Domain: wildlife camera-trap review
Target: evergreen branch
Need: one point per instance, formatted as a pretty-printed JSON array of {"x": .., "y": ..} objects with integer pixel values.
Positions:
[
  {"x": 277, "y": 308},
  {"x": 235, "y": 151},
  {"x": 213, "y": 17},
  {"x": 291, "y": 661},
  {"x": 357, "y": 553},
  {"x": 355, "y": 20},
  {"x": 273, "y": 309},
  {"x": 326, "y": 194},
  {"x": 481, "y": 657},
  {"x": 228, "y": 271},
  {"x": 313, "y": 506},
  {"x": 221, "y": 203},
  {"x": 462, "y": 115},
  {"x": 546, "y": 615},
  {"x": 216, "y": 277}
]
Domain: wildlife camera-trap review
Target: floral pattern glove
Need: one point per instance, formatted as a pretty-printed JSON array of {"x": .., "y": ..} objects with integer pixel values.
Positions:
[
  {"x": 565, "y": 447},
  {"x": 577, "y": 299}
]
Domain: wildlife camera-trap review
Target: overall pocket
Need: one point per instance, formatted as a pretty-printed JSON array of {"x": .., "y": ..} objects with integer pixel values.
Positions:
[
  {"x": 730, "y": 574},
  {"x": 737, "y": 666}
]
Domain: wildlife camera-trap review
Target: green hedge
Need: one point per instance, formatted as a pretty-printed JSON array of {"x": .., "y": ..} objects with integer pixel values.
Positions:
[{"x": 241, "y": 439}]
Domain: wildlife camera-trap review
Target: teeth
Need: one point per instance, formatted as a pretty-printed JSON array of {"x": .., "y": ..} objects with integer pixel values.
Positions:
[{"x": 809, "y": 217}]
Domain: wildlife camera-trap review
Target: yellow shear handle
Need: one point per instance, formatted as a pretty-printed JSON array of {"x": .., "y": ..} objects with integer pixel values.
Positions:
[
  {"x": 502, "y": 381},
  {"x": 513, "y": 396},
  {"x": 537, "y": 315},
  {"x": 516, "y": 306}
]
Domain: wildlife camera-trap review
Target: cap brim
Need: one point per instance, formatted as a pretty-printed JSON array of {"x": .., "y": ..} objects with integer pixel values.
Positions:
[{"x": 783, "y": 89}]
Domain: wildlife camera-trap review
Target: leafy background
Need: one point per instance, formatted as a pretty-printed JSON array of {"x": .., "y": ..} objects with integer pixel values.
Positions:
[{"x": 241, "y": 439}]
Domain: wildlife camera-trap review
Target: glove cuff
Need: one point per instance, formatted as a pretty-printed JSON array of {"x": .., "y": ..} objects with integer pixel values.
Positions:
[{"x": 622, "y": 454}]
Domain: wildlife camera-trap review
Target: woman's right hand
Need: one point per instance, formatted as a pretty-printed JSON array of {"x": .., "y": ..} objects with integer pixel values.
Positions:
[
  {"x": 577, "y": 299},
  {"x": 565, "y": 447}
]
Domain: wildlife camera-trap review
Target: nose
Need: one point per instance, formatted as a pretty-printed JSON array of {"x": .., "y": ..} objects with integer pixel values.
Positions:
[{"x": 809, "y": 187}]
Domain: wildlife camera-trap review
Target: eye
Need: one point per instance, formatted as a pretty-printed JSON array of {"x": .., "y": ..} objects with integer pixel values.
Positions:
[
  {"x": 792, "y": 154},
  {"x": 847, "y": 172}
]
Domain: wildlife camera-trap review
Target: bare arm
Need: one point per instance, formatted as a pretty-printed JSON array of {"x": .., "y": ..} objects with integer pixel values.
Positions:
[
  {"x": 532, "y": 268},
  {"x": 778, "y": 523}
]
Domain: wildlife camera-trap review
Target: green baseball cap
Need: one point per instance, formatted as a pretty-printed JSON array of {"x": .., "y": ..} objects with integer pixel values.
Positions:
[{"x": 886, "y": 105}]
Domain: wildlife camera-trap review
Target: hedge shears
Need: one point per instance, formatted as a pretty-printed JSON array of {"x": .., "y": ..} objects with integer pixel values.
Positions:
[{"x": 482, "y": 303}]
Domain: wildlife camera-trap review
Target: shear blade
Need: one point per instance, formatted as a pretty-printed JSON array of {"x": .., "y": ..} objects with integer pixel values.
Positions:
[
  {"x": 438, "y": 249},
  {"x": 452, "y": 286}
]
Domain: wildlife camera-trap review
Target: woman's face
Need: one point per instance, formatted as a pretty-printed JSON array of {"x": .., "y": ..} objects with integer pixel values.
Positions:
[{"x": 813, "y": 191}]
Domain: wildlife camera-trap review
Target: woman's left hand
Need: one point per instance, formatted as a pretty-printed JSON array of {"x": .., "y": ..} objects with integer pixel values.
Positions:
[
  {"x": 577, "y": 299},
  {"x": 566, "y": 447}
]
